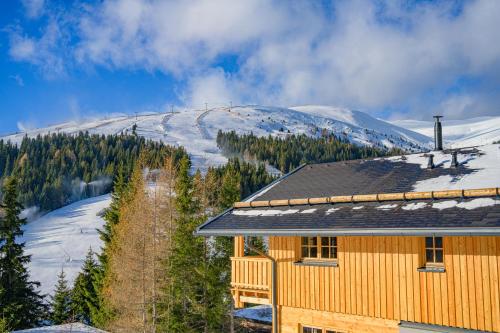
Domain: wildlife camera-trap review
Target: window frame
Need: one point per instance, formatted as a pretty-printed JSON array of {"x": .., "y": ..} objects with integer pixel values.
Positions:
[
  {"x": 333, "y": 245},
  {"x": 434, "y": 249},
  {"x": 302, "y": 327},
  {"x": 321, "y": 329}
]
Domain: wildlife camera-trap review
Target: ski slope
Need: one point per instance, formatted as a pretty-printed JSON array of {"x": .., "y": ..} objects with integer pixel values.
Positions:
[
  {"x": 459, "y": 133},
  {"x": 196, "y": 130},
  {"x": 61, "y": 239}
]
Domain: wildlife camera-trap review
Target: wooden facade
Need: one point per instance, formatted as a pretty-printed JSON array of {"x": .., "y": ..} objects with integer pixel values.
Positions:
[{"x": 376, "y": 284}]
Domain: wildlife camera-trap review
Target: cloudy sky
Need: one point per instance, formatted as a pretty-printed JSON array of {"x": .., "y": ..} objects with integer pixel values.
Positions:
[{"x": 393, "y": 59}]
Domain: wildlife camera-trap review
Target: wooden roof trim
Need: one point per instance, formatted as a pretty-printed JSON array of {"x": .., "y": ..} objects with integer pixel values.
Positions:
[{"x": 404, "y": 196}]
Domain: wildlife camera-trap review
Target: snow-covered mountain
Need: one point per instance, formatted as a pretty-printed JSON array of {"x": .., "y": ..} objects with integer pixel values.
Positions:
[
  {"x": 61, "y": 239},
  {"x": 196, "y": 130},
  {"x": 459, "y": 133}
]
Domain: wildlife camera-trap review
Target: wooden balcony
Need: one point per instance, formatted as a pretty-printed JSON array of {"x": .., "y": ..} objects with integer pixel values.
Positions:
[{"x": 251, "y": 280}]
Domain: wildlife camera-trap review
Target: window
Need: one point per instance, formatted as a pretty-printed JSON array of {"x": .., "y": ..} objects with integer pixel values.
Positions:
[
  {"x": 306, "y": 329},
  {"x": 319, "y": 247},
  {"x": 309, "y": 247},
  {"x": 329, "y": 247},
  {"x": 434, "y": 251}
]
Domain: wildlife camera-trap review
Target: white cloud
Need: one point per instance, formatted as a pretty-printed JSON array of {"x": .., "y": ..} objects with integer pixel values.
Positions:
[
  {"x": 22, "y": 48},
  {"x": 212, "y": 88},
  {"x": 18, "y": 79},
  {"x": 49, "y": 52},
  {"x": 34, "y": 8},
  {"x": 362, "y": 54}
]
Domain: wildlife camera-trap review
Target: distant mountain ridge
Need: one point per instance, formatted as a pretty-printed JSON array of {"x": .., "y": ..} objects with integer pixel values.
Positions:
[
  {"x": 196, "y": 130},
  {"x": 459, "y": 133}
]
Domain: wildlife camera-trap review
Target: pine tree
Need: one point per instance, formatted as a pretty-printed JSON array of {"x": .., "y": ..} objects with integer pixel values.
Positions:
[
  {"x": 61, "y": 301},
  {"x": 219, "y": 270},
  {"x": 20, "y": 304},
  {"x": 112, "y": 215},
  {"x": 3, "y": 326},
  {"x": 84, "y": 294},
  {"x": 230, "y": 189},
  {"x": 187, "y": 271}
]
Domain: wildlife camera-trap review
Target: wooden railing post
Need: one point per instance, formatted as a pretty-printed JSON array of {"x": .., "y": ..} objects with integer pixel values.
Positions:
[{"x": 239, "y": 246}]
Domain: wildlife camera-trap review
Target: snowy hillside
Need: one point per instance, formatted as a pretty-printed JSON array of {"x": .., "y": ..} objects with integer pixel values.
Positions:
[
  {"x": 62, "y": 238},
  {"x": 459, "y": 133},
  {"x": 196, "y": 130}
]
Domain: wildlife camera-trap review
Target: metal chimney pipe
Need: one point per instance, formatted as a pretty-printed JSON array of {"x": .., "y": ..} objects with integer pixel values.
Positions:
[
  {"x": 438, "y": 134},
  {"x": 454, "y": 159}
]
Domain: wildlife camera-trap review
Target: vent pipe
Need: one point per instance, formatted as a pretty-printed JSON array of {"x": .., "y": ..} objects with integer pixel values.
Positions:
[
  {"x": 430, "y": 163},
  {"x": 438, "y": 134},
  {"x": 454, "y": 159}
]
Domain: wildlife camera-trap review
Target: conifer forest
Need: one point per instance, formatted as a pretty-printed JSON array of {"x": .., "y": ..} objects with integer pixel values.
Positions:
[{"x": 152, "y": 274}]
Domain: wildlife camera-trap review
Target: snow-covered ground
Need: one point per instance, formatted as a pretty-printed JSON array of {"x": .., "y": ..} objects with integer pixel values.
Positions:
[
  {"x": 74, "y": 328},
  {"x": 259, "y": 313},
  {"x": 61, "y": 239},
  {"x": 459, "y": 133},
  {"x": 196, "y": 130}
]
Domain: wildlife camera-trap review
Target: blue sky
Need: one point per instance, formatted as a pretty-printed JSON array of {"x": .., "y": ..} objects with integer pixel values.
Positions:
[{"x": 394, "y": 59}]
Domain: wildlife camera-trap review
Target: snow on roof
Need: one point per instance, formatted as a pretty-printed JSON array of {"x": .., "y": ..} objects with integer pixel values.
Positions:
[
  {"x": 260, "y": 313},
  {"x": 73, "y": 328},
  {"x": 265, "y": 212},
  {"x": 387, "y": 207},
  {"x": 484, "y": 161},
  {"x": 414, "y": 206},
  {"x": 263, "y": 191}
]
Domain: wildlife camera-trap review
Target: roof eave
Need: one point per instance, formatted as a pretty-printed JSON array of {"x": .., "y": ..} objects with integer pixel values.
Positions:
[{"x": 353, "y": 232}]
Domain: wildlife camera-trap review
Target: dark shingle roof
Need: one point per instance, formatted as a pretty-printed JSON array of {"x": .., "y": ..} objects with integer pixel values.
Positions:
[
  {"x": 395, "y": 217},
  {"x": 355, "y": 177},
  {"x": 478, "y": 169}
]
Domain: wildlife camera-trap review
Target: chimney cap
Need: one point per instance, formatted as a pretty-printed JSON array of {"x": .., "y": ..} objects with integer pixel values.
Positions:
[{"x": 437, "y": 117}]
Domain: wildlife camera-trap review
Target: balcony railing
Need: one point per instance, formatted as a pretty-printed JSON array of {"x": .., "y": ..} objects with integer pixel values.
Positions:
[{"x": 251, "y": 280}]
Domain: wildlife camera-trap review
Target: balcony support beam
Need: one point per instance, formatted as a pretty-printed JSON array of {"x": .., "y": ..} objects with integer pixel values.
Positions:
[{"x": 274, "y": 284}]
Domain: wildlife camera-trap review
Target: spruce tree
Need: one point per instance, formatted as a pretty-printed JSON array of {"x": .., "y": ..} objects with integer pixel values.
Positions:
[
  {"x": 21, "y": 305},
  {"x": 84, "y": 294},
  {"x": 187, "y": 310},
  {"x": 61, "y": 301},
  {"x": 230, "y": 189},
  {"x": 112, "y": 215}
]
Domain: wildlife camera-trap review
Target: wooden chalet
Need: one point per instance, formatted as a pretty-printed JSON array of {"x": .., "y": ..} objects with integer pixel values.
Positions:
[{"x": 401, "y": 244}]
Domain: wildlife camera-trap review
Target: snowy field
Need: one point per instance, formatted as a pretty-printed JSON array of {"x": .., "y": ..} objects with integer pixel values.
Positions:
[
  {"x": 196, "y": 130},
  {"x": 459, "y": 133},
  {"x": 73, "y": 328},
  {"x": 61, "y": 239}
]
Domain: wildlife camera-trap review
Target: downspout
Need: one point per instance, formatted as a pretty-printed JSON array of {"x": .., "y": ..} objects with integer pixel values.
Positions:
[{"x": 274, "y": 283}]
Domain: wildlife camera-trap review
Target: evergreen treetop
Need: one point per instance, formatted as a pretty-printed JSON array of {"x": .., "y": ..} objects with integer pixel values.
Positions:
[
  {"x": 21, "y": 305},
  {"x": 61, "y": 301},
  {"x": 84, "y": 295}
]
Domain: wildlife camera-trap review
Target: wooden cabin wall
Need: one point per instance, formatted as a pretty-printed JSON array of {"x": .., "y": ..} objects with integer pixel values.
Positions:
[{"x": 378, "y": 277}]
